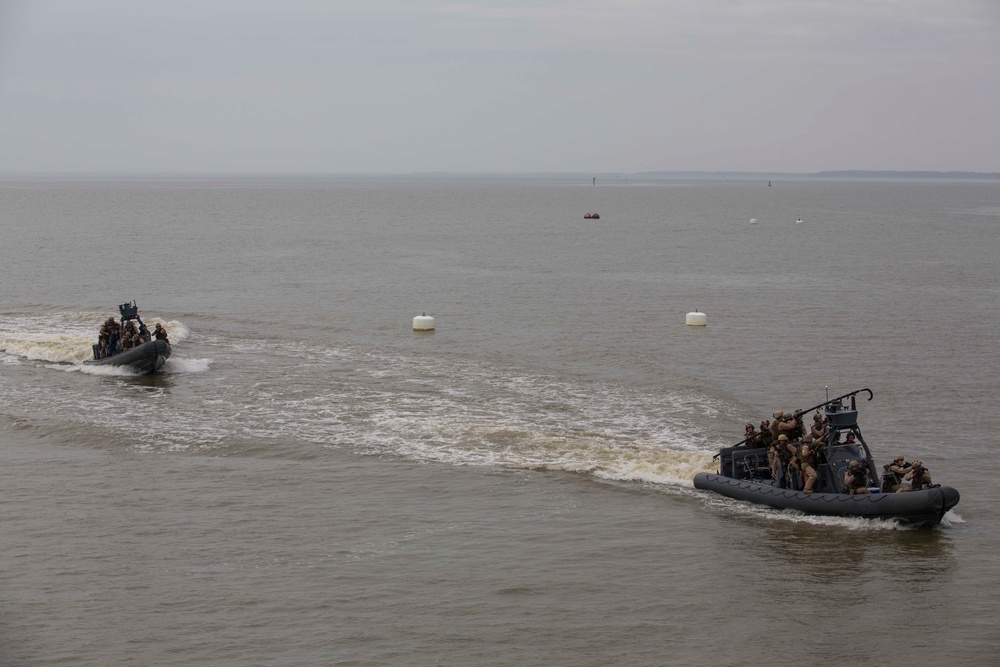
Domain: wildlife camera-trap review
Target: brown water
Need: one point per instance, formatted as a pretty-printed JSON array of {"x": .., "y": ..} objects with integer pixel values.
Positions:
[{"x": 311, "y": 482}]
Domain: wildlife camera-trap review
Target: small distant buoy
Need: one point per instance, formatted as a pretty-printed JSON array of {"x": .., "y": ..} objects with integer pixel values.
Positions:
[
  {"x": 423, "y": 323},
  {"x": 799, "y": 221},
  {"x": 753, "y": 221},
  {"x": 696, "y": 319}
]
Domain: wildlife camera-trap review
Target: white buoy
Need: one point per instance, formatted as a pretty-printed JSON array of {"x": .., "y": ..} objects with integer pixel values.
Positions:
[
  {"x": 753, "y": 221},
  {"x": 423, "y": 323},
  {"x": 696, "y": 319}
]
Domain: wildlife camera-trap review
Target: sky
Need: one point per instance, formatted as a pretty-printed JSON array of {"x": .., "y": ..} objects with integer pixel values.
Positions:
[{"x": 483, "y": 86}]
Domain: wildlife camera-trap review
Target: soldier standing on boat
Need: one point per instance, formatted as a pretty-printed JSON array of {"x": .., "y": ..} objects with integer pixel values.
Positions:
[
  {"x": 113, "y": 341},
  {"x": 779, "y": 456},
  {"x": 764, "y": 436},
  {"x": 773, "y": 427},
  {"x": 790, "y": 425},
  {"x": 774, "y": 461},
  {"x": 807, "y": 464},
  {"x": 818, "y": 430},
  {"x": 102, "y": 341},
  {"x": 790, "y": 452},
  {"x": 160, "y": 333}
]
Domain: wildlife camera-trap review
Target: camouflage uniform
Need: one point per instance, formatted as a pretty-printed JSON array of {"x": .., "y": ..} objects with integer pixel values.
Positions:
[
  {"x": 807, "y": 464},
  {"x": 916, "y": 482},
  {"x": 856, "y": 479},
  {"x": 898, "y": 471}
]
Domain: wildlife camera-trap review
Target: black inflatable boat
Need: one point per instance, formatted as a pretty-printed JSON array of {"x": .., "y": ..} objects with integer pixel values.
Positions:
[
  {"x": 745, "y": 474},
  {"x": 147, "y": 357}
]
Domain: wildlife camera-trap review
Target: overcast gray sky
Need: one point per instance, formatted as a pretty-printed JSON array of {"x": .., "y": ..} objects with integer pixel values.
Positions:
[{"x": 396, "y": 86}]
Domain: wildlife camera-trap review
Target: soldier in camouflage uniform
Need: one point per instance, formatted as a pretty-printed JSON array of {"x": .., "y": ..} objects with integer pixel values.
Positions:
[{"x": 856, "y": 479}]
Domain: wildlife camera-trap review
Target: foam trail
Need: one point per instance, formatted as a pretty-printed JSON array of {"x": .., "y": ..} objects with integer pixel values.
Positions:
[
  {"x": 382, "y": 402},
  {"x": 747, "y": 509},
  {"x": 54, "y": 347},
  {"x": 63, "y": 338},
  {"x": 175, "y": 365},
  {"x": 102, "y": 371}
]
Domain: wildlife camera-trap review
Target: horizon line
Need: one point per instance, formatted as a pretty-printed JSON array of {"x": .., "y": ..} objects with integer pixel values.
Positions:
[{"x": 915, "y": 173}]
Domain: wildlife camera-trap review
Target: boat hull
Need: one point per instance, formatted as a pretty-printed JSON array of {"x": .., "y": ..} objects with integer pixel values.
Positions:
[
  {"x": 146, "y": 358},
  {"x": 923, "y": 508}
]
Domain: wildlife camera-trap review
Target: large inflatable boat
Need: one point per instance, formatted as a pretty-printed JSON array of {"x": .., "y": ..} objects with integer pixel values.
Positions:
[
  {"x": 745, "y": 474},
  {"x": 147, "y": 357}
]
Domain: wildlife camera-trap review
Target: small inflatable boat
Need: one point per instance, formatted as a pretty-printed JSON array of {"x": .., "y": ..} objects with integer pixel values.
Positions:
[
  {"x": 745, "y": 474},
  {"x": 147, "y": 357}
]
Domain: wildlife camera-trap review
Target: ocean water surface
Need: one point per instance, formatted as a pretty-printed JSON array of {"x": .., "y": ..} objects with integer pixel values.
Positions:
[{"x": 309, "y": 481}]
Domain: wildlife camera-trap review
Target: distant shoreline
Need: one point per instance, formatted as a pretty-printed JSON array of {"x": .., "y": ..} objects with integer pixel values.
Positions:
[
  {"x": 845, "y": 174},
  {"x": 597, "y": 178}
]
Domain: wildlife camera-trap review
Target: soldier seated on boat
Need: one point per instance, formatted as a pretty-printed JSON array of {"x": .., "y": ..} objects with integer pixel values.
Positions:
[
  {"x": 126, "y": 342},
  {"x": 894, "y": 473},
  {"x": 160, "y": 333},
  {"x": 750, "y": 436},
  {"x": 918, "y": 478},
  {"x": 856, "y": 478}
]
